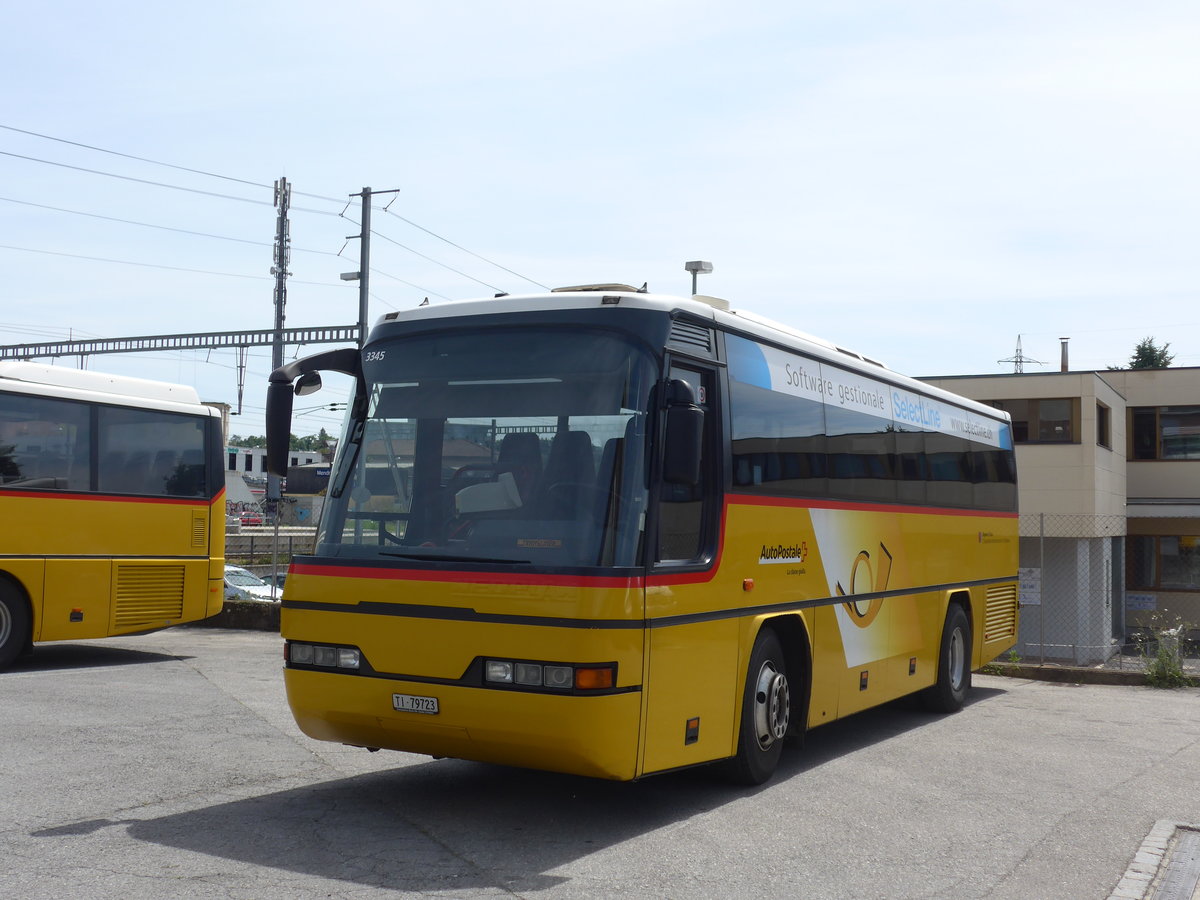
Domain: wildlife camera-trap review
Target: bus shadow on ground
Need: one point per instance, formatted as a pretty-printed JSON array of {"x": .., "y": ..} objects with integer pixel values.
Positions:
[
  {"x": 55, "y": 657},
  {"x": 461, "y": 827}
]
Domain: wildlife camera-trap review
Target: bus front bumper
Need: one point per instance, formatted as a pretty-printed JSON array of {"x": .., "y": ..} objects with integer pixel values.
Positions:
[{"x": 596, "y": 735}]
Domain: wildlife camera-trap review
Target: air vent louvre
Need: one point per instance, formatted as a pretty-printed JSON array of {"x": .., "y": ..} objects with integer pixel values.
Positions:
[
  {"x": 148, "y": 595},
  {"x": 688, "y": 335},
  {"x": 1000, "y": 619},
  {"x": 199, "y": 530}
]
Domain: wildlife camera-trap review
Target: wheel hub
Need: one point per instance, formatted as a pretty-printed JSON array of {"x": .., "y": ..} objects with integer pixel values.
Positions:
[{"x": 772, "y": 706}]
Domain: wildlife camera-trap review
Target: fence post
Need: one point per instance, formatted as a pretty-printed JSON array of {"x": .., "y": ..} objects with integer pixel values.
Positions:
[{"x": 1042, "y": 567}]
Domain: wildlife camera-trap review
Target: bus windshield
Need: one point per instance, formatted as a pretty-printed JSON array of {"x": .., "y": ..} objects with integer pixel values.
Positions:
[{"x": 522, "y": 446}]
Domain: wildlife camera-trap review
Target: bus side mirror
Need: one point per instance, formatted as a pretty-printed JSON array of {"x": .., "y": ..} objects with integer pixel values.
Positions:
[
  {"x": 684, "y": 435},
  {"x": 307, "y": 378},
  {"x": 308, "y": 383},
  {"x": 279, "y": 426}
]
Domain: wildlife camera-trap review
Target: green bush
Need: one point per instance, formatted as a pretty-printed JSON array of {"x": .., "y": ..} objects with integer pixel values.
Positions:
[{"x": 1164, "y": 666}]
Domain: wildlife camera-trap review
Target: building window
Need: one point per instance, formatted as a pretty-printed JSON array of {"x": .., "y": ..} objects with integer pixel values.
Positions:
[
  {"x": 1164, "y": 432},
  {"x": 233, "y": 462},
  {"x": 249, "y": 463},
  {"x": 1043, "y": 421},
  {"x": 1103, "y": 426},
  {"x": 1164, "y": 562}
]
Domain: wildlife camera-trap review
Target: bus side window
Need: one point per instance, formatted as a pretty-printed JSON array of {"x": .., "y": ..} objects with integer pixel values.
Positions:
[
  {"x": 43, "y": 443},
  {"x": 681, "y": 519}
]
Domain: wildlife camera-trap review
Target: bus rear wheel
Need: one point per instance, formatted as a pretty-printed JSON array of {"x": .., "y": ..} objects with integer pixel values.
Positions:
[
  {"x": 14, "y": 624},
  {"x": 949, "y": 692},
  {"x": 766, "y": 712}
]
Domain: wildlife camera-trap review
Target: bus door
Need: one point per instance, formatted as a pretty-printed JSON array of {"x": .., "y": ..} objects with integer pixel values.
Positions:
[{"x": 691, "y": 651}]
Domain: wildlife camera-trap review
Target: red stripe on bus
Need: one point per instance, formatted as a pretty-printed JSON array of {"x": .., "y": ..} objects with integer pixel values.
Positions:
[
  {"x": 349, "y": 571},
  {"x": 811, "y": 503},
  {"x": 111, "y": 498}
]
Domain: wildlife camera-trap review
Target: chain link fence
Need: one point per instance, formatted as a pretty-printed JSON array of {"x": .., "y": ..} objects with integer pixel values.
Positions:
[{"x": 1077, "y": 607}]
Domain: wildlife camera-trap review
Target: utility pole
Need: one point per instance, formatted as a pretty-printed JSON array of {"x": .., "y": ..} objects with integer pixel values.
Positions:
[
  {"x": 364, "y": 266},
  {"x": 362, "y": 276},
  {"x": 282, "y": 258}
]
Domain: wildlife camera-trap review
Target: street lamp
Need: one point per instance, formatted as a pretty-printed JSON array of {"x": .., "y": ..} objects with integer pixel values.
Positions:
[{"x": 697, "y": 267}]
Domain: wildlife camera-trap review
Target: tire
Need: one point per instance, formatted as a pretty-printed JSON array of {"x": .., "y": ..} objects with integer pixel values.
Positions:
[
  {"x": 14, "y": 624},
  {"x": 766, "y": 712},
  {"x": 954, "y": 665}
]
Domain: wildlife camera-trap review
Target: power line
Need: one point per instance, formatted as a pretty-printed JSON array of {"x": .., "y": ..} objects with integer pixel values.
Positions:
[
  {"x": 78, "y": 212},
  {"x": 247, "y": 182},
  {"x": 208, "y": 194},
  {"x": 144, "y": 265},
  {"x": 220, "y": 237},
  {"x": 131, "y": 156},
  {"x": 409, "y": 283},
  {"x": 174, "y": 187},
  {"x": 428, "y": 258},
  {"x": 463, "y": 249}
]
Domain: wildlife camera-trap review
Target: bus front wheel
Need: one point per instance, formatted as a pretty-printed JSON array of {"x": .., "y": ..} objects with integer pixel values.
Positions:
[
  {"x": 14, "y": 624},
  {"x": 949, "y": 692},
  {"x": 766, "y": 712}
]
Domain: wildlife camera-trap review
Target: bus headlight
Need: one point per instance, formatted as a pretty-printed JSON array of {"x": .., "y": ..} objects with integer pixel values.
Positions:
[
  {"x": 324, "y": 656},
  {"x": 555, "y": 677},
  {"x": 498, "y": 671}
]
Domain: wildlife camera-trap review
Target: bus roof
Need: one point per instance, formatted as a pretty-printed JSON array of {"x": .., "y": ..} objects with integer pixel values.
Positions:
[
  {"x": 718, "y": 310},
  {"x": 122, "y": 386},
  {"x": 623, "y": 295}
]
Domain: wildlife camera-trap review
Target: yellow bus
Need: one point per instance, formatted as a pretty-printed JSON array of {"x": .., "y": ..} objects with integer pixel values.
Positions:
[
  {"x": 610, "y": 533},
  {"x": 112, "y": 506}
]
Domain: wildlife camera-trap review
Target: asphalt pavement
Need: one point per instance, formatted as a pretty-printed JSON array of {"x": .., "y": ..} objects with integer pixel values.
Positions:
[{"x": 168, "y": 765}]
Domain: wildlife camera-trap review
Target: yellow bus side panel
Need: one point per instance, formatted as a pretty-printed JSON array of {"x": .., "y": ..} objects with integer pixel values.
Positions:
[
  {"x": 77, "y": 601},
  {"x": 94, "y": 598},
  {"x": 30, "y": 576},
  {"x": 693, "y": 675},
  {"x": 105, "y": 526},
  {"x": 107, "y": 565},
  {"x": 870, "y": 651}
]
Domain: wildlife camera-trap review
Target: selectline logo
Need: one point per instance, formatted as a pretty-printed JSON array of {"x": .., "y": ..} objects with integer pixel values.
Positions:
[{"x": 783, "y": 553}]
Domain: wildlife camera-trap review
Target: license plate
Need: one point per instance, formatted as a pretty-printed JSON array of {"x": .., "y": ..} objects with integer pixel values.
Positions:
[{"x": 410, "y": 703}]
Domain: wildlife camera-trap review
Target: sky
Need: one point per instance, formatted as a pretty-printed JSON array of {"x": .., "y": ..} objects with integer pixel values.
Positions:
[{"x": 925, "y": 182}]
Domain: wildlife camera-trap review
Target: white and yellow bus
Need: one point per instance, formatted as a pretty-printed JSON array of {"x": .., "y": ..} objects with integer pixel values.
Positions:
[
  {"x": 611, "y": 533},
  {"x": 112, "y": 509}
]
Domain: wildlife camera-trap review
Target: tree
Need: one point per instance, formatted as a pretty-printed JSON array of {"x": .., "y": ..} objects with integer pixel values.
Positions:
[
  {"x": 1148, "y": 355},
  {"x": 236, "y": 440},
  {"x": 319, "y": 442}
]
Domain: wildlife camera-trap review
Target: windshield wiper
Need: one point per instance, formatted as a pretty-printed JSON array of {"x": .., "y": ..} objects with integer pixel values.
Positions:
[{"x": 450, "y": 557}]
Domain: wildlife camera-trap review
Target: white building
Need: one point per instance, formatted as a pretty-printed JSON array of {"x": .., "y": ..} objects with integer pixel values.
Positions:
[{"x": 251, "y": 462}]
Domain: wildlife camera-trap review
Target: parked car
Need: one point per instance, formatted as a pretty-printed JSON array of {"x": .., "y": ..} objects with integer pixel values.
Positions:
[
  {"x": 243, "y": 585},
  {"x": 252, "y": 518}
]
